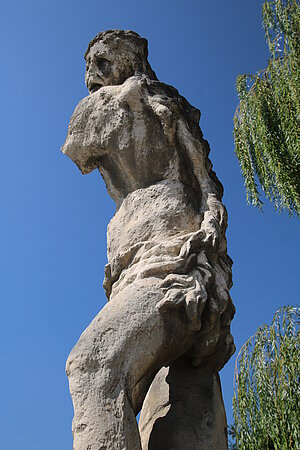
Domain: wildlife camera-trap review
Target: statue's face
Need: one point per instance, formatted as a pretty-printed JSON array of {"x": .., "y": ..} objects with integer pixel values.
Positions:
[
  {"x": 110, "y": 66},
  {"x": 100, "y": 68}
]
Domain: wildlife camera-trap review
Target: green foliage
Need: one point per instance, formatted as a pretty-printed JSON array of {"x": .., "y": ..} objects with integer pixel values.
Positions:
[
  {"x": 266, "y": 123},
  {"x": 266, "y": 401}
]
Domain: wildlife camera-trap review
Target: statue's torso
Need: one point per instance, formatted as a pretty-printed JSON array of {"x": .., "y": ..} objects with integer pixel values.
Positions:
[
  {"x": 129, "y": 132},
  {"x": 155, "y": 213}
]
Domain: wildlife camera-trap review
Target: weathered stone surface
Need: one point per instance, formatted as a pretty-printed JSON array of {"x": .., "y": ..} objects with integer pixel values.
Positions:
[
  {"x": 168, "y": 274},
  {"x": 183, "y": 409}
]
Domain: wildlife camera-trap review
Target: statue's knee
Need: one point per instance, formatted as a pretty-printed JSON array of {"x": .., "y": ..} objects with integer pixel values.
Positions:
[
  {"x": 94, "y": 358},
  {"x": 82, "y": 359}
]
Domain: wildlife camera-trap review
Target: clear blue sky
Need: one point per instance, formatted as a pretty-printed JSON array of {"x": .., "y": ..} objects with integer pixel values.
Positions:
[{"x": 53, "y": 225}]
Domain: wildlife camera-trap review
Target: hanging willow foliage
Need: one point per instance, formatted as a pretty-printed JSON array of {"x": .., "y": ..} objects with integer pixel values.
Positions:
[
  {"x": 266, "y": 122},
  {"x": 266, "y": 401}
]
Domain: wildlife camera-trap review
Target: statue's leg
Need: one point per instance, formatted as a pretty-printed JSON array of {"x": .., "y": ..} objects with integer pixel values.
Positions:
[
  {"x": 127, "y": 342},
  {"x": 184, "y": 409}
]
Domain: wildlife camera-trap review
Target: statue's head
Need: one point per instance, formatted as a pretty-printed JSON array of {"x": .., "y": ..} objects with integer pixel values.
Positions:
[{"x": 113, "y": 56}]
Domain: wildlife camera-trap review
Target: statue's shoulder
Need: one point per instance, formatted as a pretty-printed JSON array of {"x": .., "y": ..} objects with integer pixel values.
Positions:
[{"x": 154, "y": 88}]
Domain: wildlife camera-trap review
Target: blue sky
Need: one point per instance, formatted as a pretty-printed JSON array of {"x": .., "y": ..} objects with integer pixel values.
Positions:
[{"x": 53, "y": 226}]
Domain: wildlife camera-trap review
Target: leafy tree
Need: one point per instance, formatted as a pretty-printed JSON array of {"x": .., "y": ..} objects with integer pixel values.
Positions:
[
  {"x": 266, "y": 401},
  {"x": 266, "y": 122}
]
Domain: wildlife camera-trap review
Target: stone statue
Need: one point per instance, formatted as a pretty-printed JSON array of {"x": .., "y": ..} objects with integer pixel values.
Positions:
[{"x": 168, "y": 274}]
